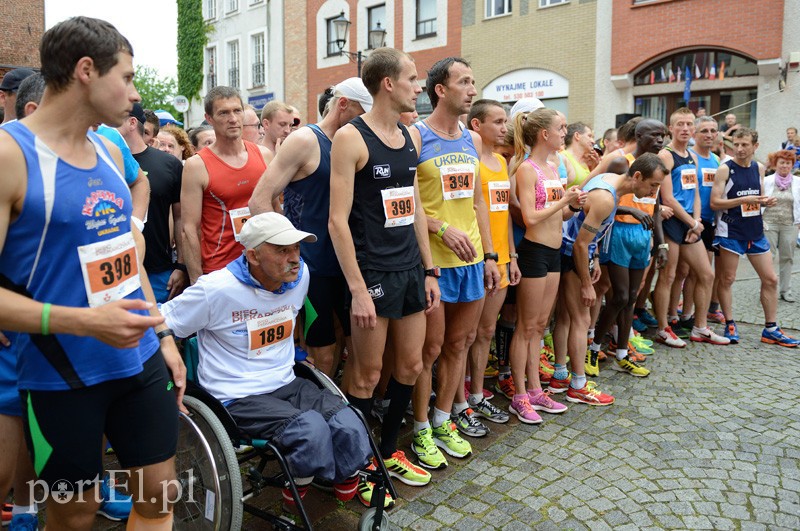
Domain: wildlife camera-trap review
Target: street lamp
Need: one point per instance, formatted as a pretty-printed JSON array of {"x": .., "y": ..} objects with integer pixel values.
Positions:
[{"x": 376, "y": 37}]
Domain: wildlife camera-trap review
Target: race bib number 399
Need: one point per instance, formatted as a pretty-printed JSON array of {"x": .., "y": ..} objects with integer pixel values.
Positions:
[
  {"x": 398, "y": 206},
  {"x": 110, "y": 269},
  {"x": 268, "y": 331},
  {"x": 458, "y": 181}
]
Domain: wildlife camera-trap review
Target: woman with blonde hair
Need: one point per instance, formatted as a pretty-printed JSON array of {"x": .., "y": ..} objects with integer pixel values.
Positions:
[{"x": 174, "y": 140}]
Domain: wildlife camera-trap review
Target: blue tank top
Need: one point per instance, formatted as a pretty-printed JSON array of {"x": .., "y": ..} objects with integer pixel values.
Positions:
[
  {"x": 307, "y": 204},
  {"x": 65, "y": 211},
  {"x": 562, "y": 170},
  {"x": 706, "y": 170},
  {"x": 741, "y": 222},
  {"x": 572, "y": 226},
  {"x": 684, "y": 180}
]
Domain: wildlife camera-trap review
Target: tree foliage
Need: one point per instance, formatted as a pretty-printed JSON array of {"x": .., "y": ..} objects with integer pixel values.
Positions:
[
  {"x": 156, "y": 91},
  {"x": 192, "y": 39}
]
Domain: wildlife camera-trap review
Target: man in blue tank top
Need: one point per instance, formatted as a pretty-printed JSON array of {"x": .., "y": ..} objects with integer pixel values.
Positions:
[
  {"x": 377, "y": 225},
  {"x": 737, "y": 196},
  {"x": 88, "y": 363},
  {"x": 682, "y": 232},
  {"x": 301, "y": 170}
]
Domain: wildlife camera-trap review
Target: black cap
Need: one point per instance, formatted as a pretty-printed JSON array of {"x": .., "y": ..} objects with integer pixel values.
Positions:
[
  {"x": 138, "y": 113},
  {"x": 13, "y": 78}
]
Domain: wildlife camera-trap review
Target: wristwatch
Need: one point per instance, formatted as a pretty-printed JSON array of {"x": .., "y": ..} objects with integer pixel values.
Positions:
[
  {"x": 164, "y": 333},
  {"x": 513, "y": 255},
  {"x": 664, "y": 246},
  {"x": 434, "y": 272},
  {"x": 491, "y": 256}
]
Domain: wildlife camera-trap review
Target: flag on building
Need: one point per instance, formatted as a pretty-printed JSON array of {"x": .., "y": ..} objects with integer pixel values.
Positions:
[
  {"x": 713, "y": 73},
  {"x": 663, "y": 75},
  {"x": 678, "y": 76},
  {"x": 687, "y": 89},
  {"x": 697, "y": 73},
  {"x": 652, "y": 76},
  {"x": 722, "y": 71},
  {"x": 672, "y": 75}
]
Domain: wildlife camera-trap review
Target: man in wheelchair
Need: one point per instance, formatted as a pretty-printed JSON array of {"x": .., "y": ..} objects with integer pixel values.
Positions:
[{"x": 244, "y": 316}]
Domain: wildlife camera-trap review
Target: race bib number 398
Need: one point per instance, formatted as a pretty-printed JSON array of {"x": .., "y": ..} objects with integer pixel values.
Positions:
[
  {"x": 458, "y": 181},
  {"x": 268, "y": 331},
  {"x": 110, "y": 269},
  {"x": 398, "y": 206}
]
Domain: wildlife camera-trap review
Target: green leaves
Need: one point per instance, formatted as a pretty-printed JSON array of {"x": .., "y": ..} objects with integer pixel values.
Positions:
[
  {"x": 192, "y": 39},
  {"x": 156, "y": 92}
]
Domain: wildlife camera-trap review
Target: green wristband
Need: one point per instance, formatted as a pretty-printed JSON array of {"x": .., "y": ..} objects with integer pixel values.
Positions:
[
  {"x": 442, "y": 229},
  {"x": 46, "y": 319}
]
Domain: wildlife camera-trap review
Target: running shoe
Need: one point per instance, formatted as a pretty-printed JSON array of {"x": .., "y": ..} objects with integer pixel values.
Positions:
[
  {"x": 635, "y": 355},
  {"x": 490, "y": 371},
  {"x": 592, "y": 366},
  {"x": 643, "y": 339},
  {"x": 548, "y": 344},
  {"x": 638, "y": 325},
  {"x": 447, "y": 438},
  {"x": 401, "y": 468},
  {"x": 639, "y": 345},
  {"x": 115, "y": 505},
  {"x": 486, "y": 410},
  {"x": 545, "y": 370},
  {"x": 429, "y": 455},
  {"x": 646, "y": 318},
  {"x": 5, "y": 514},
  {"x": 559, "y": 386},
  {"x": 709, "y": 336},
  {"x": 778, "y": 338},
  {"x": 732, "y": 332},
  {"x": 631, "y": 367},
  {"x": 367, "y": 488},
  {"x": 488, "y": 395},
  {"x": 505, "y": 386},
  {"x": 543, "y": 402},
  {"x": 687, "y": 324},
  {"x": 716, "y": 316},
  {"x": 678, "y": 330},
  {"x": 468, "y": 424},
  {"x": 667, "y": 337},
  {"x": 589, "y": 395},
  {"x": 524, "y": 411}
]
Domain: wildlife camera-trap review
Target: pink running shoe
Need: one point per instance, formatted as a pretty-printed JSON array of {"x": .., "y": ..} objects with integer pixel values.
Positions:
[
  {"x": 541, "y": 401},
  {"x": 522, "y": 408}
]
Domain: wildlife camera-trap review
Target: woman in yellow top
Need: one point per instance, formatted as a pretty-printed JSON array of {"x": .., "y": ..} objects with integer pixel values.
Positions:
[{"x": 579, "y": 152}]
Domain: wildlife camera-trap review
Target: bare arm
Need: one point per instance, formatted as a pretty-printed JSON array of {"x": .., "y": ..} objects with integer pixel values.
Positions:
[
  {"x": 195, "y": 181},
  {"x": 599, "y": 208},
  {"x": 527, "y": 178},
  {"x": 718, "y": 199},
  {"x": 667, "y": 196},
  {"x": 288, "y": 165},
  {"x": 140, "y": 195}
]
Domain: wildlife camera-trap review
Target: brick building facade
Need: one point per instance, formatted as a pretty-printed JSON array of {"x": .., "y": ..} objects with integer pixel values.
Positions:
[{"x": 23, "y": 26}]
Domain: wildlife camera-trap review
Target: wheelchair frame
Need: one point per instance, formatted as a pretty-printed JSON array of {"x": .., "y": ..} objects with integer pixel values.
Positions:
[{"x": 222, "y": 508}]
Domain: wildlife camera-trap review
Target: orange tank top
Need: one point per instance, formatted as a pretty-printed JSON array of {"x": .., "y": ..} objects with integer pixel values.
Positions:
[
  {"x": 225, "y": 205},
  {"x": 646, "y": 204}
]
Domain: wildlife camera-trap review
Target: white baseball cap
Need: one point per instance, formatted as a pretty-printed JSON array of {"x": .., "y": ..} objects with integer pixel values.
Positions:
[
  {"x": 526, "y": 105},
  {"x": 354, "y": 90},
  {"x": 271, "y": 227}
]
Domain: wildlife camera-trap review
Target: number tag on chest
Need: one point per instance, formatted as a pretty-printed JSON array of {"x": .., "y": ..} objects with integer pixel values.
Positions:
[
  {"x": 110, "y": 269},
  {"x": 265, "y": 332},
  {"x": 749, "y": 211},
  {"x": 398, "y": 206},
  {"x": 708, "y": 176},
  {"x": 688, "y": 179},
  {"x": 499, "y": 195},
  {"x": 553, "y": 191},
  {"x": 458, "y": 181},
  {"x": 239, "y": 217}
]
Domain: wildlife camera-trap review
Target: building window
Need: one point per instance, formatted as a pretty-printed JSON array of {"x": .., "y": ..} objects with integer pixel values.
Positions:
[
  {"x": 426, "y": 18},
  {"x": 701, "y": 64},
  {"x": 211, "y": 68},
  {"x": 233, "y": 5},
  {"x": 210, "y": 9},
  {"x": 233, "y": 64},
  {"x": 496, "y": 8},
  {"x": 254, "y": 2},
  {"x": 376, "y": 19},
  {"x": 548, "y": 3},
  {"x": 257, "y": 53},
  {"x": 333, "y": 48}
]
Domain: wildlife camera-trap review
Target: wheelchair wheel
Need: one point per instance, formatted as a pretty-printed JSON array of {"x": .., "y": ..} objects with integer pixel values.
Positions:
[
  {"x": 208, "y": 472},
  {"x": 367, "y": 520}
]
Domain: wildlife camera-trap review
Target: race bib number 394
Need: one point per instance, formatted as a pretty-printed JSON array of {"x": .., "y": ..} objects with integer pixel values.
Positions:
[
  {"x": 266, "y": 332},
  {"x": 110, "y": 269},
  {"x": 398, "y": 206},
  {"x": 458, "y": 181}
]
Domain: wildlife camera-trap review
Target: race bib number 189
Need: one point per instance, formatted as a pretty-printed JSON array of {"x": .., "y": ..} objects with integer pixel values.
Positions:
[
  {"x": 110, "y": 269},
  {"x": 264, "y": 332}
]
